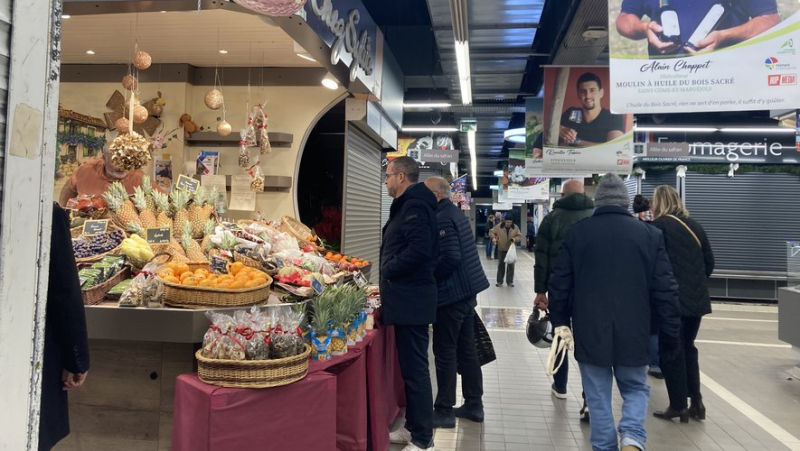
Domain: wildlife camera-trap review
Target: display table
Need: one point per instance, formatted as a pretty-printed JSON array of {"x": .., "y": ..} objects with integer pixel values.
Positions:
[{"x": 363, "y": 388}]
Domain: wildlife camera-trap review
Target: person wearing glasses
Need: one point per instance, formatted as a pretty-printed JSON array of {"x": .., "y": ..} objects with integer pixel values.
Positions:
[{"x": 409, "y": 292}]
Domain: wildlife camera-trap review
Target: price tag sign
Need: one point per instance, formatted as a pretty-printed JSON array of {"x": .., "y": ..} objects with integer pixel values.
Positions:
[
  {"x": 317, "y": 286},
  {"x": 159, "y": 236},
  {"x": 187, "y": 183},
  {"x": 91, "y": 228},
  {"x": 359, "y": 279}
]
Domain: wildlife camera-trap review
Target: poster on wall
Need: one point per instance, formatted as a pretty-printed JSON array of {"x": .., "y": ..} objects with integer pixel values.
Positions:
[
  {"x": 534, "y": 127},
  {"x": 162, "y": 173},
  {"x": 580, "y": 132},
  {"x": 458, "y": 190},
  {"x": 521, "y": 186},
  {"x": 703, "y": 55}
]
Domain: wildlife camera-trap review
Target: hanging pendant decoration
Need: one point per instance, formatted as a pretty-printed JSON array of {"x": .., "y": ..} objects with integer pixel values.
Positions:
[
  {"x": 264, "y": 143},
  {"x": 130, "y": 82},
  {"x": 140, "y": 114},
  {"x": 142, "y": 60},
  {"x": 224, "y": 128},
  {"x": 276, "y": 8},
  {"x": 214, "y": 99},
  {"x": 130, "y": 151},
  {"x": 122, "y": 125},
  {"x": 256, "y": 178},
  {"x": 244, "y": 154}
]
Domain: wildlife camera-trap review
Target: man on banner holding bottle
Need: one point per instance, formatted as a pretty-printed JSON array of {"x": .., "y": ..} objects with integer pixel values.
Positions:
[
  {"x": 684, "y": 27},
  {"x": 590, "y": 124}
]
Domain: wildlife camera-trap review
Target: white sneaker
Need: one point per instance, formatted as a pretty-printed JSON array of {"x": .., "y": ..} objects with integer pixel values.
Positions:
[
  {"x": 401, "y": 437},
  {"x": 413, "y": 447}
]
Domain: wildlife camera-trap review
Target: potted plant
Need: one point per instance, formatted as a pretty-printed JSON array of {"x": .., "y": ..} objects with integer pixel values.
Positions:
[{"x": 320, "y": 328}]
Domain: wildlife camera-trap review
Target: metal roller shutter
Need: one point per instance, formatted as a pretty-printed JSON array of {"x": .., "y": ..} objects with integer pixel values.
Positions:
[
  {"x": 362, "y": 199},
  {"x": 748, "y": 218},
  {"x": 632, "y": 184},
  {"x": 655, "y": 179},
  {"x": 5, "y": 46}
]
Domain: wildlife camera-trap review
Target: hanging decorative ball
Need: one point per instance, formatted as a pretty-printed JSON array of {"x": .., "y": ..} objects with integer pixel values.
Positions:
[
  {"x": 224, "y": 128},
  {"x": 122, "y": 125},
  {"x": 130, "y": 82},
  {"x": 130, "y": 151},
  {"x": 142, "y": 60},
  {"x": 214, "y": 99},
  {"x": 156, "y": 110},
  {"x": 140, "y": 114}
]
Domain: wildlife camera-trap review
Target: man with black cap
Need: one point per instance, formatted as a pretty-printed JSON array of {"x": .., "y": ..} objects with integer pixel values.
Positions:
[{"x": 611, "y": 273}]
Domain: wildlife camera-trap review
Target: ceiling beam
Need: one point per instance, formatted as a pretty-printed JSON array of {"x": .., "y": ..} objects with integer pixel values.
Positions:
[{"x": 499, "y": 26}]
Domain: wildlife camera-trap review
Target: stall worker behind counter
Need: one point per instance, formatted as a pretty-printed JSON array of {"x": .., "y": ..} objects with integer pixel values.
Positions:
[{"x": 95, "y": 176}]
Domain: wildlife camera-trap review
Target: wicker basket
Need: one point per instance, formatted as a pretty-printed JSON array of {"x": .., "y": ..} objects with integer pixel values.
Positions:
[
  {"x": 97, "y": 293},
  {"x": 297, "y": 229},
  {"x": 78, "y": 231},
  {"x": 191, "y": 297},
  {"x": 252, "y": 373},
  {"x": 247, "y": 261}
]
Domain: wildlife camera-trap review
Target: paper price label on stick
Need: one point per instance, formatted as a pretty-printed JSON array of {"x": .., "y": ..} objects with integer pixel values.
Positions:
[
  {"x": 159, "y": 236},
  {"x": 317, "y": 286},
  {"x": 187, "y": 183},
  {"x": 359, "y": 279},
  {"x": 91, "y": 228}
]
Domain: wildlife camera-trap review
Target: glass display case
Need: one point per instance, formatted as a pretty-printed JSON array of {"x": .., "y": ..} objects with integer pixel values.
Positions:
[{"x": 793, "y": 263}]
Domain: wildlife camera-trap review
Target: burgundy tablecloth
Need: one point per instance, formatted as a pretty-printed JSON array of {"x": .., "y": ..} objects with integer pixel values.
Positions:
[
  {"x": 298, "y": 416},
  {"x": 385, "y": 389},
  {"x": 351, "y": 397}
]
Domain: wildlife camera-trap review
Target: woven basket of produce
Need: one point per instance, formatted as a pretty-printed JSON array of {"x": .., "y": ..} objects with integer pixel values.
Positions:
[
  {"x": 97, "y": 293},
  {"x": 179, "y": 295},
  {"x": 93, "y": 249},
  {"x": 298, "y": 230},
  {"x": 247, "y": 261},
  {"x": 252, "y": 373}
]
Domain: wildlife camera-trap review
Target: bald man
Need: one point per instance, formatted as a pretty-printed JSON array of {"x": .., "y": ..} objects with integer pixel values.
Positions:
[
  {"x": 460, "y": 277},
  {"x": 573, "y": 206}
]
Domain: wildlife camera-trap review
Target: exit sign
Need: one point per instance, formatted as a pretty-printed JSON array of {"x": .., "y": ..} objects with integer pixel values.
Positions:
[{"x": 469, "y": 125}]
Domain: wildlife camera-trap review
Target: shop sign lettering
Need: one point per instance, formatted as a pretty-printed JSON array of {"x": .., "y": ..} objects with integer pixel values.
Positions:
[{"x": 347, "y": 37}]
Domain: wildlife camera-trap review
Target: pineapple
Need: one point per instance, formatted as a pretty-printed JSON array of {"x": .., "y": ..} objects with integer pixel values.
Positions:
[
  {"x": 211, "y": 204},
  {"x": 136, "y": 229},
  {"x": 162, "y": 202},
  {"x": 193, "y": 250},
  {"x": 117, "y": 199},
  {"x": 176, "y": 251},
  {"x": 196, "y": 213},
  {"x": 179, "y": 200},
  {"x": 149, "y": 193},
  {"x": 146, "y": 215},
  {"x": 208, "y": 230}
]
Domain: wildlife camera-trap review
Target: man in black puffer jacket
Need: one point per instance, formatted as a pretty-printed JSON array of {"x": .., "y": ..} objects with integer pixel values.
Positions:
[
  {"x": 409, "y": 292},
  {"x": 460, "y": 277}
]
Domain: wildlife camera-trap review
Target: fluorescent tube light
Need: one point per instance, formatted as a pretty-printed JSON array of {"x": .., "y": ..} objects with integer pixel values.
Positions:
[
  {"x": 65, "y": 16},
  {"x": 464, "y": 74},
  {"x": 427, "y": 105},
  {"x": 306, "y": 56},
  {"x": 90, "y": 52},
  {"x": 429, "y": 129},
  {"x": 757, "y": 130},
  {"x": 473, "y": 159},
  {"x": 498, "y": 173},
  {"x": 515, "y": 135},
  {"x": 494, "y": 187},
  {"x": 678, "y": 129}
]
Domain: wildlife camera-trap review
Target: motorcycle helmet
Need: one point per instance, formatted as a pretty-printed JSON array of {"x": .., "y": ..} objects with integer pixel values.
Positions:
[{"x": 539, "y": 329}]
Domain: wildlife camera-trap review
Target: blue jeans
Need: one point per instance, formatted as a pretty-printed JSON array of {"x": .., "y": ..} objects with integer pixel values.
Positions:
[
  {"x": 632, "y": 384},
  {"x": 654, "y": 359},
  {"x": 489, "y": 247}
]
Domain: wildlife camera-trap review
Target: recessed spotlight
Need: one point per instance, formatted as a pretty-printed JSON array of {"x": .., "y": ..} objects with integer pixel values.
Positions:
[
  {"x": 224, "y": 52},
  {"x": 330, "y": 82},
  {"x": 65, "y": 16},
  {"x": 90, "y": 52},
  {"x": 162, "y": 12},
  {"x": 306, "y": 56}
]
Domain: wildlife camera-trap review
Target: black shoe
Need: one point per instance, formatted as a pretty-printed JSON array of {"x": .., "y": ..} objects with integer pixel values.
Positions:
[
  {"x": 443, "y": 420},
  {"x": 671, "y": 413},
  {"x": 655, "y": 372},
  {"x": 560, "y": 394},
  {"x": 498, "y": 284},
  {"x": 511, "y": 285},
  {"x": 472, "y": 413},
  {"x": 585, "y": 413},
  {"x": 697, "y": 410}
]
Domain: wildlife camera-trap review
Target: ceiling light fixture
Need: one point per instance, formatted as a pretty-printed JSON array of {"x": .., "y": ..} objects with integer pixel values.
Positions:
[
  {"x": 306, "y": 56},
  {"x": 443, "y": 129},
  {"x": 330, "y": 82},
  {"x": 473, "y": 159},
  {"x": 65, "y": 16},
  {"x": 498, "y": 173},
  {"x": 677, "y": 129},
  {"x": 494, "y": 187},
  {"x": 757, "y": 130},
  {"x": 464, "y": 74},
  {"x": 224, "y": 52},
  {"x": 427, "y": 105},
  {"x": 515, "y": 135},
  {"x": 90, "y": 52},
  {"x": 162, "y": 12},
  {"x": 595, "y": 32}
]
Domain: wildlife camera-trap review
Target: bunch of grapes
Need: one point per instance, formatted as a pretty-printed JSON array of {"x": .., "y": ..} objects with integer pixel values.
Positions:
[{"x": 101, "y": 243}]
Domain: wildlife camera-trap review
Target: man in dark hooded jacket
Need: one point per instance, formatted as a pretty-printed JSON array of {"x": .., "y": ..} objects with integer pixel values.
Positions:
[
  {"x": 612, "y": 273},
  {"x": 460, "y": 276},
  {"x": 409, "y": 292},
  {"x": 573, "y": 206}
]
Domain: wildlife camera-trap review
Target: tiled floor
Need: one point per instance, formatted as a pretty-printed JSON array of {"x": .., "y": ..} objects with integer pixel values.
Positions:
[{"x": 753, "y": 401}]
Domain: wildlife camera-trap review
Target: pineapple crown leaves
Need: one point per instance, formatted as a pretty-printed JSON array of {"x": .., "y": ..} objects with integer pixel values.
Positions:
[
  {"x": 146, "y": 185},
  {"x": 139, "y": 198},
  {"x": 213, "y": 195},
  {"x": 321, "y": 319},
  {"x": 229, "y": 241},
  {"x": 200, "y": 196},
  {"x": 113, "y": 201},
  {"x": 186, "y": 236},
  {"x": 179, "y": 199},
  {"x": 136, "y": 228},
  {"x": 208, "y": 227},
  {"x": 161, "y": 200}
]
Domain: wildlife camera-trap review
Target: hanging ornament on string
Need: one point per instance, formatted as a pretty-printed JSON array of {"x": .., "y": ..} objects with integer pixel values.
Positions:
[
  {"x": 224, "y": 128},
  {"x": 130, "y": 82},
  {"x": 256, "y": 178},
  {"x": 214, "y": 98},
  {"x": 264, "y": 143},
  {"x": 140, "y": 114},
  {"x": 142, "y": 60},
  {"x": 244, "y": 154},
  {"x": 122, "y": 125},
  {"x": 130, "y": 151},
  {"x": 251, "y": 140}
]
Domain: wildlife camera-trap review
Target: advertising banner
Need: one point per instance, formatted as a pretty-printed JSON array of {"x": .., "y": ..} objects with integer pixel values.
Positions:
[
  {"x": 671, "y": 56},
  {"x": 521, "y": 186},
  {"x": 534, "y": 127},
  {"x": 581, "y": 135},
  {"x": 458, "y": 190}
]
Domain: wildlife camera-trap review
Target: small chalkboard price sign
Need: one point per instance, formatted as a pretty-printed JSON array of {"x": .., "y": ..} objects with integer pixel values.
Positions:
[
  {"x": 159, "y": 236},
  {"x": 91, "y": 228},
  {"x": 187, "y": 183}
]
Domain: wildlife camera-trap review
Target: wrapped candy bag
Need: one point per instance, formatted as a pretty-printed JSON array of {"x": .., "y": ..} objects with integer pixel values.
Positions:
[
  {"x": 265, "y": 145},
  {"x": 244, "y": 154},
  {"x": 220, "y": 325},
  {"x": 250, "y": 136},
  {"x": 145, "y": 290}
]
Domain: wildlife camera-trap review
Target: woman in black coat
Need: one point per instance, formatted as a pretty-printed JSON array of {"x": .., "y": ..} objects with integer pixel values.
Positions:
[
  {"x": 66, "y": 349},
  {"x": 692, "y": 264}
]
